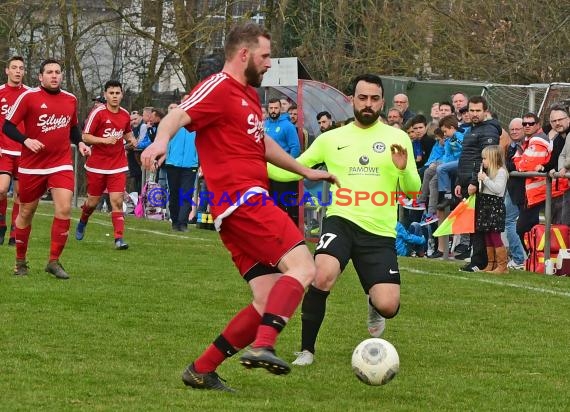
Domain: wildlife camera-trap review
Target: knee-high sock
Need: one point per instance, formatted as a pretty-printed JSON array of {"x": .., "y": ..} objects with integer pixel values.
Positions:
[
  {"x": 118, "y": 220},
  {"x": 3, "y": 207},
  {"x": 22, "y": 238},
  {"x": 15, "y": 211},
  {"x": 239, "y": 333},
  {"x": 282, "y": 301},
  {"x": 312, "y": 315},
  {"x": 86, "y": 212},
  {"x": 59, "y": 233}
]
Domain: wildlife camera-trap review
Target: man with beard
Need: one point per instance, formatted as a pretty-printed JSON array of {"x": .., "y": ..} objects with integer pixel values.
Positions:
[
  {"x": 485, "y": 131},
  {"x": 301, "y": 131},
  {"x": 325, "y": 121},
  {"x": 371, "y": 159},
  {"x": 49, "y": 115},
  {"x": 560, "y": 123},
  {"x": 266, "y": 246},
  {"x": 279, "y": 128}
]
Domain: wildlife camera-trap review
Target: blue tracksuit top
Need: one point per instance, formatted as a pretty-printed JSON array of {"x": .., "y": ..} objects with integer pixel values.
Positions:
[
  {"x": 284, "y": 133},
  {"x": 181, "y": 151}
]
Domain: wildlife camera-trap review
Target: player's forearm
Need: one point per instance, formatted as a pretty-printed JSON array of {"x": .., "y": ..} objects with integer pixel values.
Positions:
[
  {"x": 172, "y": 122},
  {"x": 410, "y": 181},
  {"x": 90, "y": 139},
  {"x": 409, "y": 178},
  {"x": 131, "y": 140},
  {"x": 275, "y": 155},
  {"x": 12, "y": 132},
  {"x": 281, "y": 175}
]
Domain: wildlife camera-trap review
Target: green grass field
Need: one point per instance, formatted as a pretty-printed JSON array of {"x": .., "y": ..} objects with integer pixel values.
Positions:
[{"x": 117, "y": 335}]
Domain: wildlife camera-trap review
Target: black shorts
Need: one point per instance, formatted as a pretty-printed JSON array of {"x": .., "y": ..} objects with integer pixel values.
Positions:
[{"x": 373, "y": 256}]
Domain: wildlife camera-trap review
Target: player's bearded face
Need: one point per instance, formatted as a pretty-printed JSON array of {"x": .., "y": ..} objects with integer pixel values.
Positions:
[
  {"x": 366, "y": 116},
  {"x": 253, "y": 75}
]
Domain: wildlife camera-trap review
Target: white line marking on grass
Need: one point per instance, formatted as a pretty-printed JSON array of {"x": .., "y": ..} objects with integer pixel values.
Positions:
[
  {"x": 134, "y": 229},
  {"x": 493, "y": 282}
]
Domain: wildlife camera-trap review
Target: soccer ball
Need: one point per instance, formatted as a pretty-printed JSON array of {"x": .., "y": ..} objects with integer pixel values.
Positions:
[{"x": 375, "y": 361}]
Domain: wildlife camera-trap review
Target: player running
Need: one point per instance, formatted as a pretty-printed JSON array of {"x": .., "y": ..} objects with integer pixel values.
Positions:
[
  {"x": 10, "y": 150},
  {"x": 50, "y": 121},
  {"x": 266, "y": 246},
  {"x": 106, "y": 128},
  {"x": 371, "y": 159}
]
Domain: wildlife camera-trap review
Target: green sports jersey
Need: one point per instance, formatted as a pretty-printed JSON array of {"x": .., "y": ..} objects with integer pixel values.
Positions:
[{"x": 362, "y": 161}]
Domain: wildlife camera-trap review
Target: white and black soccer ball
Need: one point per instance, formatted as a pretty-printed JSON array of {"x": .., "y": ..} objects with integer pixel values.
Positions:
[{"x": 375, "y": 361}]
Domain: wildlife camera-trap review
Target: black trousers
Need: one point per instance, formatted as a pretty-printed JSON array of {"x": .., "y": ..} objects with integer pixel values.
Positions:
[
  {"x": 286, "y": 195},
  {"x": 180, "y": 185},
  {"x": 479, "y": 255}
]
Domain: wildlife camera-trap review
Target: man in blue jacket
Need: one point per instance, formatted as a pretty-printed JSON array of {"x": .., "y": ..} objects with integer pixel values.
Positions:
[
  {"x": 181, "y": 167},
  {"x": 278, "y": 125},
  {"x": 280, "y": 128}
]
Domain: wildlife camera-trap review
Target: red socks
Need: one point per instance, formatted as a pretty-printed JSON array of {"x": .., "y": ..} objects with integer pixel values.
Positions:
[
  {"x": 3, "y": 208},
  {"x": 118, "y": 220},
  {"x": 15, "y": 211},
  {"x": 86, "y": 212},
  {"x": 239, "y": 333},
  {"x": 282, "y": 301},
  {"x": 59, "y": 233},
  {"x": 22, "y": 238}
]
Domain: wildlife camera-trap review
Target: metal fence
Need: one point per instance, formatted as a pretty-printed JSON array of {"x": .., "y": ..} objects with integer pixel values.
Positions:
[{"x": 548, "y": 263}]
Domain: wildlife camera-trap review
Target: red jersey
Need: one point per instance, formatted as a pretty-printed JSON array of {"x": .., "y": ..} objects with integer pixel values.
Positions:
[
  {"x": 48, "y": 117},
  {"x": 105, "y": 158},
  {"x": 8, "y": 96},
  {"x": 226, "y": 116}
]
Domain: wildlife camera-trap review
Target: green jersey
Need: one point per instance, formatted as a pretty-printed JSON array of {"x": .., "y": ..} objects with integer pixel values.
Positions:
[{"x": 361, "y": 159}]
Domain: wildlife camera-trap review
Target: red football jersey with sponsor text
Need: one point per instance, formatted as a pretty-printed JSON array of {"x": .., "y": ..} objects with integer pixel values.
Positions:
[
  {"x": 226, "y": 116},
  {"x": 47, "y": 117},
  {"x": 8, "y": 96},
  {"x": 106, "y": 158}
]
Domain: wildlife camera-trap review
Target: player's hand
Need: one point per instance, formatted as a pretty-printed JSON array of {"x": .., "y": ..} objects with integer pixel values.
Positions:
[
  {"x": 316, "y": 174},
  {"x": 472, "y": 189},
  {"x": 34, "y": 145},
  {"x": 399, "y": 156},
  {"x": 111, "y": 140},
  {"x": 153, "y": 156},
  {"x": 481, "y": 176},
  {"x": 84, "y": 149}
]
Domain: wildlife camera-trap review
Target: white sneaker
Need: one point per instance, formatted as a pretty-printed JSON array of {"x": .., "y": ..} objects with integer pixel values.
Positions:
[
  {"x": 304, "y": 358},
  {"x": 376, "y": 322},
  {"x": 513, "y": 265}
]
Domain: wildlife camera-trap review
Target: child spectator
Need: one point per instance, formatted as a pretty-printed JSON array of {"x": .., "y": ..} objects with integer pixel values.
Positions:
[
  {"x": 410, "y": 242},
  {"x": 447, "y": 170},
  {"x": 490, "y": 207},
  {"x": 422, "y": 142}
]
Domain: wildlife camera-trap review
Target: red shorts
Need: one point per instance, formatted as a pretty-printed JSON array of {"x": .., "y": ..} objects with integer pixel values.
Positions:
[
  {"x": 98, "y": 182},
  {"x": 259, "y": 235},
  {"x": 32, "y": 187},
  {"x": 9, "y": 164}
]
